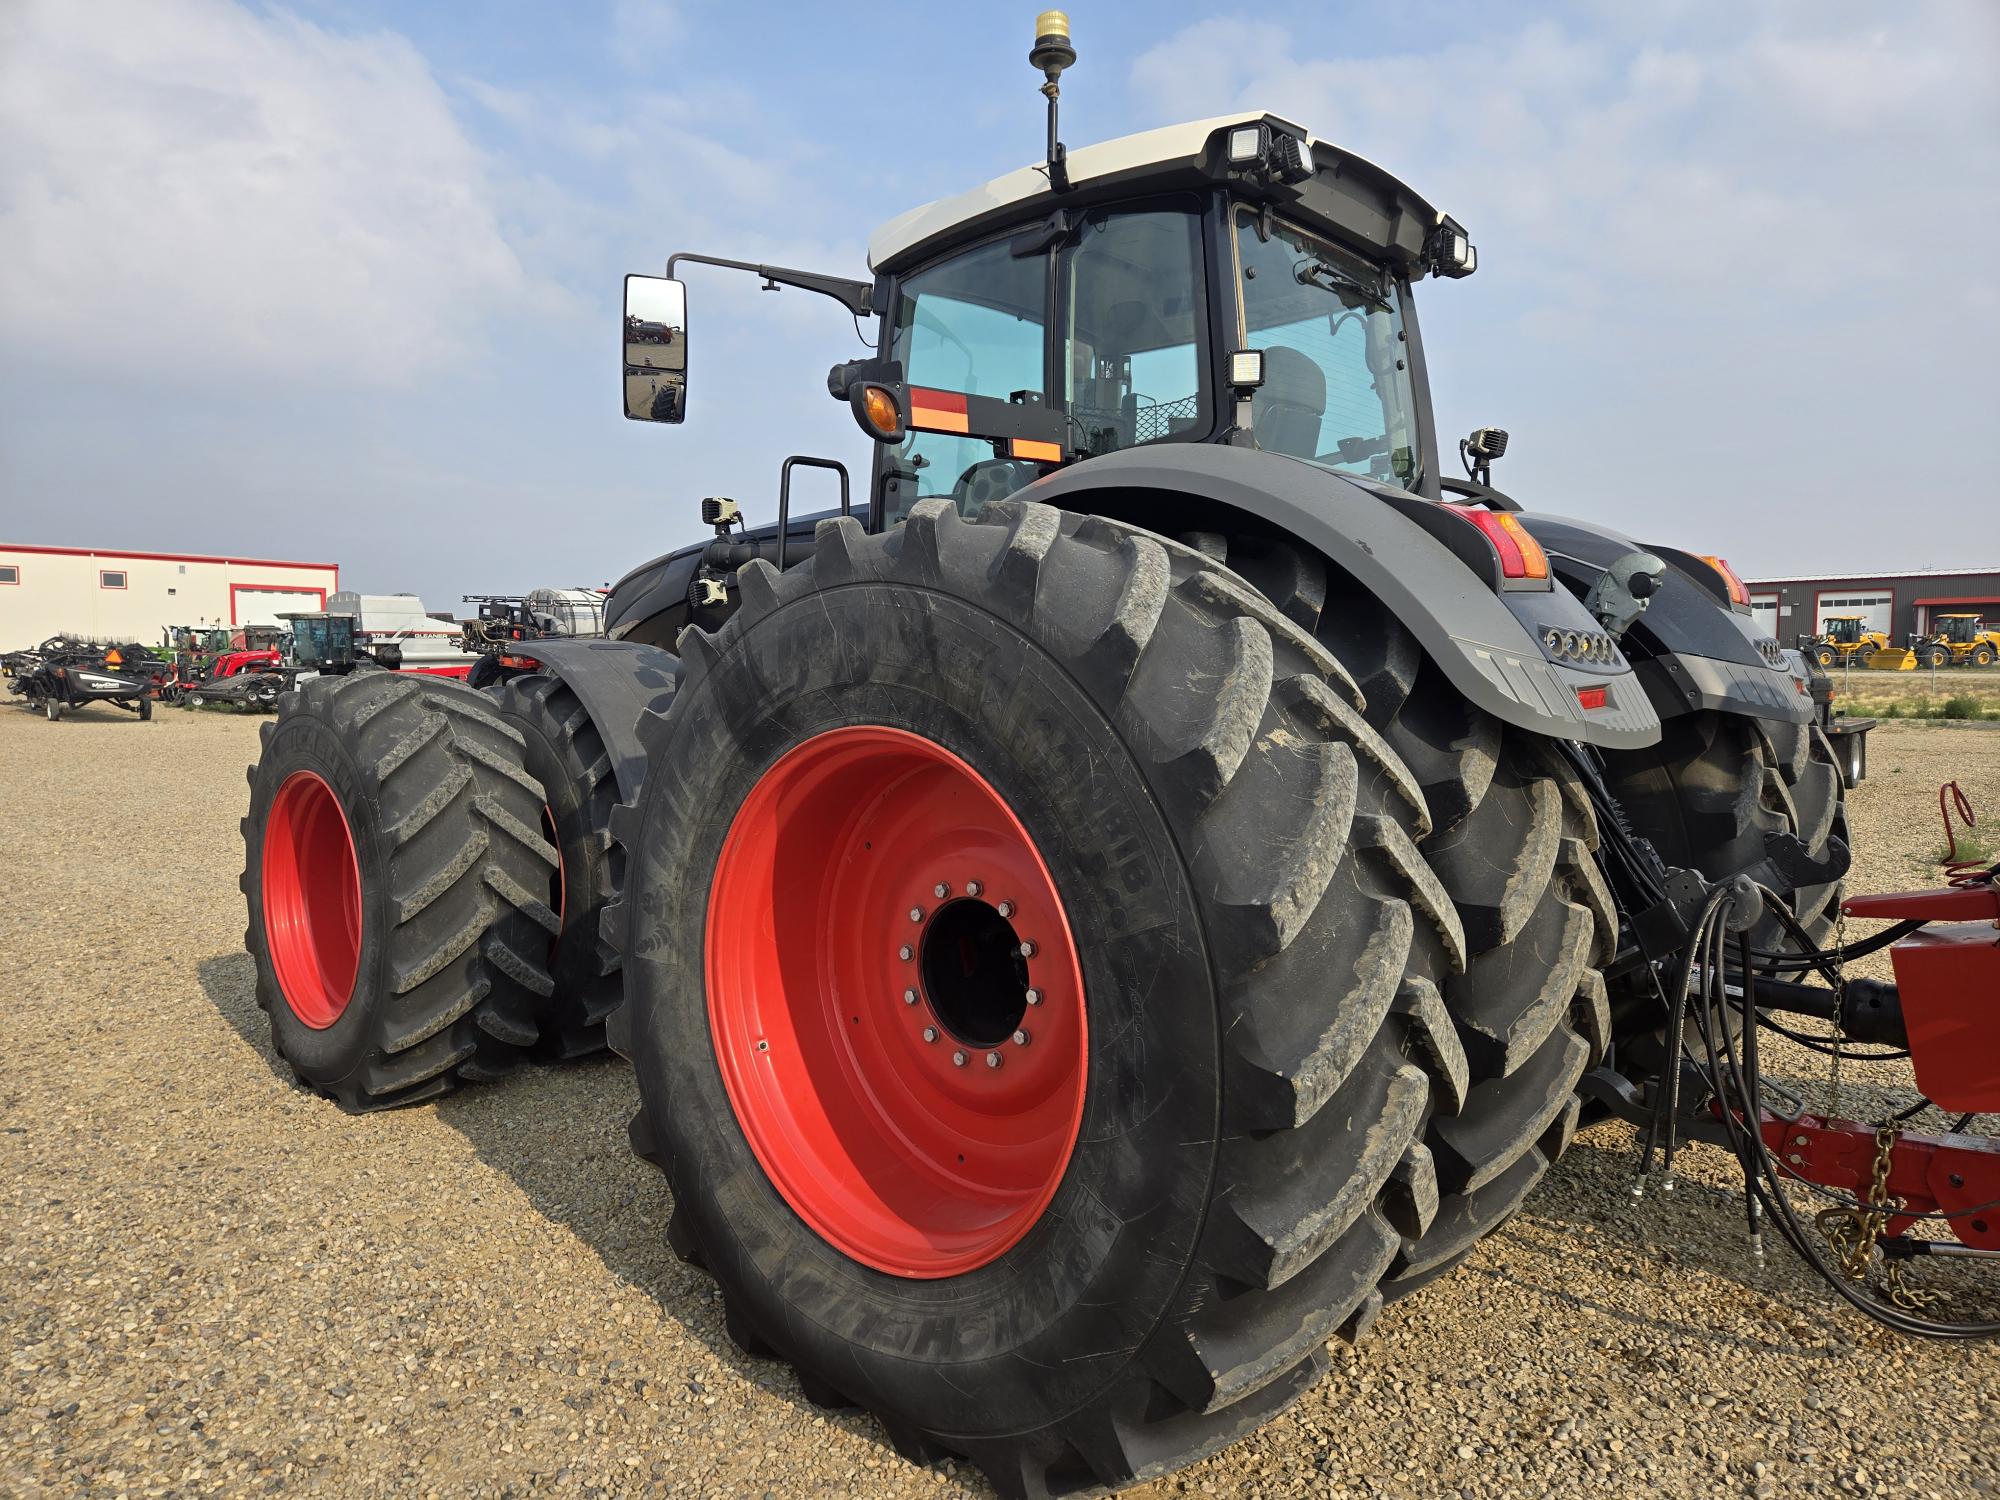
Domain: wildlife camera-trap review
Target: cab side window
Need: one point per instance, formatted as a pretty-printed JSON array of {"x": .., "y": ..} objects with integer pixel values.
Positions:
[
  {"x": 1133, "y": 305},
  {"x": 977, "y": 324}
]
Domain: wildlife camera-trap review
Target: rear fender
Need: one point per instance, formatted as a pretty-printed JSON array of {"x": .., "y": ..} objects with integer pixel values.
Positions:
[
  {"x": 1486, "y": 643},
  {"x": 1690, "y": 648},
  {"x": 617, "y": 682}
]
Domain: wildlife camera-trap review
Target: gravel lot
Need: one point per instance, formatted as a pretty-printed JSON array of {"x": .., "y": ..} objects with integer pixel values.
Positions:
[{"x": 211, "y": 1283}]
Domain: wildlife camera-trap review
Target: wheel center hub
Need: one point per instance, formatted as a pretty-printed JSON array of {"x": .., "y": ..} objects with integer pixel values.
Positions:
[{"x": 973, "y": 973}]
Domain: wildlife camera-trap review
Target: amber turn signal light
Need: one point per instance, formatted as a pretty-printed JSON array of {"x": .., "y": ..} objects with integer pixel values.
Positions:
[{"x": 878, "y": 411}]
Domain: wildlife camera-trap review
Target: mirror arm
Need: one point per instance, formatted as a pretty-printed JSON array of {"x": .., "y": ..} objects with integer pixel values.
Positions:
[{"x": 853, "y": 295}]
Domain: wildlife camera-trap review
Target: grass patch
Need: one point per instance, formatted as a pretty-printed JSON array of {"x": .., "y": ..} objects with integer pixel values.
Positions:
[{"x": 1972, "y": 845}]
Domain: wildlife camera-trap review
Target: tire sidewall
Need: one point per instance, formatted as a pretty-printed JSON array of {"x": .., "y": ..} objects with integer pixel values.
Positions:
[
  {"x": 1107, "y": 1260},
  {"x": 304, "y": 741}
]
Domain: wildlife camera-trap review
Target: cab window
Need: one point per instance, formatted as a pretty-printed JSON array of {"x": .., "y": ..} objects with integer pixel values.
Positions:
[
  {"x": 1337, "y": 388},
  {"x": 1135, "y": 370},
  {"x": 976, "y": 323}
]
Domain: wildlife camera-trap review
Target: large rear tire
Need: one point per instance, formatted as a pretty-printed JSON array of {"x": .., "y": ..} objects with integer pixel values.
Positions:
[
  {"x": 394, "y": 866},
  {"x": 1715, "y": 784},
  {"x": 1212, "y": 1153},
  {"x": 1512, "y": 837},
  {"x": 563, "y": 750}
]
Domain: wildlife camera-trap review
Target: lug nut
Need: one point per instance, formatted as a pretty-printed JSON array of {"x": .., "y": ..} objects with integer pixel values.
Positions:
[
  {"x": 909, "y": 997},
  {"x": 916, "y": 914},
  {"x": 1027, "y": 949},
  {"x": 993, "y": 1059},
  {"x": 906, "y": 953},
  {"x": 1033, "y": 997},
  {"x": 973, "y": 887},
  {"x": 940, "y": 890},
  {"x": 1020, "y": 1039},
  {"x": 930, "y": 1033},
  {"x": 1006, "y": 908},
  {"x": 958, "y": 1059}
]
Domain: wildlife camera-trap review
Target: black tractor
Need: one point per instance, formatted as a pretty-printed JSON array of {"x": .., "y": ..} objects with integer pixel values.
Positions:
[{"x": 1148, "y": 881}]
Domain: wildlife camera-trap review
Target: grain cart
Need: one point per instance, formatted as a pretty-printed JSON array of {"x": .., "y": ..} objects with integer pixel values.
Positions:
[{"x": 1121, "y": 900}]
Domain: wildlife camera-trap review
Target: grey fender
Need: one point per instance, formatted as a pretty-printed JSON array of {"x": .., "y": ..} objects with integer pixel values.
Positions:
[
  {"x": 1691, "y": 649},
  {"x": 1488, "y": 644},
  {"x": 617, "y": 682}
]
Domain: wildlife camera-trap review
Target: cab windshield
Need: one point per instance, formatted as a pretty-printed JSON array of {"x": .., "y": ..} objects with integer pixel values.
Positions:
[{"x": 1337, "y": 387}]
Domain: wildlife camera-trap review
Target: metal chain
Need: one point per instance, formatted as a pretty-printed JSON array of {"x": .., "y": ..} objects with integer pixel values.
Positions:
[{"x": 1852, "y": 1232}]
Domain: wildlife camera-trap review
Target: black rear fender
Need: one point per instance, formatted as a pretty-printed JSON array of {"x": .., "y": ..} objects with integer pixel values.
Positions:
[{"x": 1487, "y": 643}]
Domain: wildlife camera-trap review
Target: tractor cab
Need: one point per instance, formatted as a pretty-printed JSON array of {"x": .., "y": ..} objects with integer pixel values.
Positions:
[
  {"x": 1231, "y": 280},
  {"x": 322, "y": 643},
  {"x": 1843, "y": 630}
]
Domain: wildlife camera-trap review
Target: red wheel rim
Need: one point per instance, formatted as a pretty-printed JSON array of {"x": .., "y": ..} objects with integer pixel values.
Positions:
[
  {"x": 908, "y": 1078},
  {"x": 312, "y": 899}
]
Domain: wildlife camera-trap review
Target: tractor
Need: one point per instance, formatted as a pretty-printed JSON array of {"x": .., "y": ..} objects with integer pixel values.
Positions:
[
  {"x": 1841, "y": 639},
  {"x": 1957, "y": 641},
  {"x": 1157, "y": 876}
]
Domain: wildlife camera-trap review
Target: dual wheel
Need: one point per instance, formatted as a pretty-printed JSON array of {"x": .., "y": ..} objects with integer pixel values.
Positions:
[
  {"x": 1066, "y": 984},
  {"x": 1040, "y": 975}
]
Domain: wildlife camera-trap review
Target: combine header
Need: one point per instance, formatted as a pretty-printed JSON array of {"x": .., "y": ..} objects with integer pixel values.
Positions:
[{"x": 1153, "y": 878}]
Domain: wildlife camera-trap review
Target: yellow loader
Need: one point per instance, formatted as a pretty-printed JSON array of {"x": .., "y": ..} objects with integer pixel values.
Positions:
[
  {"x": 1957, "y": 641},
  {"x": 1841, "y": 640}
]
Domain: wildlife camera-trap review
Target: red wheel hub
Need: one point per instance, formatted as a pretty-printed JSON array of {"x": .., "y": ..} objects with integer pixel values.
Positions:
[
  {"x": 312, "y": 899},
  {"x": 896, "y": 1002}
]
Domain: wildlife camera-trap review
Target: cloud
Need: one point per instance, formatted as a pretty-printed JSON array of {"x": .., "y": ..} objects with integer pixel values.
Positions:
[
  {"x": 211, "y": 192},
  {"x": 1705, "y": 222}
]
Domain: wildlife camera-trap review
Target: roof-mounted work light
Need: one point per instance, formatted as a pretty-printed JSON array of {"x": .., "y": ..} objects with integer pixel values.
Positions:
[
  {"x": 1451, "y": 251},
  {"x": 1281, "y": 154}
]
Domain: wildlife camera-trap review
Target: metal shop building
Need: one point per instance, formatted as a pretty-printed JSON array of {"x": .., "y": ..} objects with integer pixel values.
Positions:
[
  {"x": 1901, "y": 604},
  {"x": 128, "y": 596}
]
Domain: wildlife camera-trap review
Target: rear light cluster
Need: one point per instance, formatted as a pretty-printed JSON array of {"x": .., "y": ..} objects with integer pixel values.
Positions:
[
  {"x": 1520, "y": 555},
  {"x": 1738, "y": 592},
  {"x": 1591, "y": 646}
]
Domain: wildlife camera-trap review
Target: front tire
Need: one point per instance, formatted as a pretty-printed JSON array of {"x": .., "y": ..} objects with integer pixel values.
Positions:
[
  {"x": 1126, "y": 1244},
  {"x": 394, "y": 867}
]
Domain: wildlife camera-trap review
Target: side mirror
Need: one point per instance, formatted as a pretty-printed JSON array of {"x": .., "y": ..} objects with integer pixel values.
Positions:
[{"x": 655, "y": 342}]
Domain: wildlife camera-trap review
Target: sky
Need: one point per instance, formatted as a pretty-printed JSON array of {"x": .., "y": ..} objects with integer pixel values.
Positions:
[{"x": 340, "y": 280}]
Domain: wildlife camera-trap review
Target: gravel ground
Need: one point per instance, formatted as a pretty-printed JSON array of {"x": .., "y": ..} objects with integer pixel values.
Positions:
[{"x": 211, "y": 1283}]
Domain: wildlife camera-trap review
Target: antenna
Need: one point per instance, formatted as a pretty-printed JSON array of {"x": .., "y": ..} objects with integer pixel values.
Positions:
[{"x": 1052, "y": 53}]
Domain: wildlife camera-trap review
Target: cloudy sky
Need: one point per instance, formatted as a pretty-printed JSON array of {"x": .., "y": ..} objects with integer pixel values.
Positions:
[{"x": 340, "y": 280}]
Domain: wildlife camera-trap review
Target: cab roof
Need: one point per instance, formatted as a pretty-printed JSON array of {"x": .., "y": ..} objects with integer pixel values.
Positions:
[{"x": 1381, "y": 212}]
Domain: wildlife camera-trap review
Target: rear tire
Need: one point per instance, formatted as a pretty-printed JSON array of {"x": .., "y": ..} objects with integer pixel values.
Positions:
[
  {"x": 394, "y": 868},
  {"x": 1225, "y": 838},
  {"x": 1706, "y": 795},
  {"x": 563, "y": 750},
  {"x": 52, "y": 706},
  {"x": 1983, "y": 657}
]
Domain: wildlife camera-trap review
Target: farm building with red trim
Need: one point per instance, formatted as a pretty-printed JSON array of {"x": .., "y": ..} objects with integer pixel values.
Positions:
[{"x": 110, "y": 593}]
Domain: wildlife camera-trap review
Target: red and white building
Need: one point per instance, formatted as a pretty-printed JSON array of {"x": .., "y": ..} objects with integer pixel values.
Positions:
[{"x": 110, "y": 594}]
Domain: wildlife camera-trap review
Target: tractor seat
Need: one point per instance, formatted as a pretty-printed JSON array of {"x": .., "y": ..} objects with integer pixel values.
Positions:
[{"x": 1288, "y": 409}]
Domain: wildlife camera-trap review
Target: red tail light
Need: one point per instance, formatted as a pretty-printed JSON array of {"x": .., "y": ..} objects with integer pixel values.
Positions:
[
  {"x": 1593, "y": 697},
  {"x": 1738, "y": 593},
  {"x": 1521, "y": 556}
]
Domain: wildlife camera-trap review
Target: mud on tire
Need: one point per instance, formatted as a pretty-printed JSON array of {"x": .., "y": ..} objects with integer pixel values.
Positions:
[
  {"x": 1230, "y": 842},
  {"x": 394, "y": 866}
]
